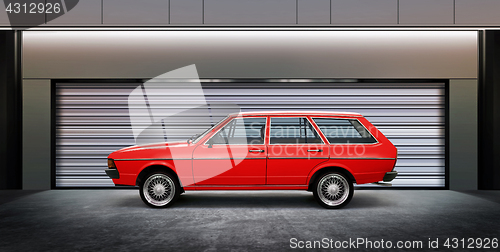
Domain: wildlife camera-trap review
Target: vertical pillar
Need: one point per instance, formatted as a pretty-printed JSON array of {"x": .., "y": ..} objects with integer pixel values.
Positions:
[
  {"x": 10, "y": 112},
  {"x": 489, "y": 112}
]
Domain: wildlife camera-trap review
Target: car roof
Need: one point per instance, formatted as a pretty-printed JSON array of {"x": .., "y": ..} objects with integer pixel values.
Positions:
[{"x": 298, "y": 113}]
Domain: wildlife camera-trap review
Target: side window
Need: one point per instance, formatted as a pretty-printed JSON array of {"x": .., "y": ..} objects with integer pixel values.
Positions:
[
  {"x": 250, "y": 130},
  {"x": 293, "y": 130},
  {"x": 344, "y": 130}
]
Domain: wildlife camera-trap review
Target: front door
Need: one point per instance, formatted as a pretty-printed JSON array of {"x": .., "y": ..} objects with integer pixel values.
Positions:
[
  {"x": 294, "y": 149},
  {"x": 235, "y": 155}
]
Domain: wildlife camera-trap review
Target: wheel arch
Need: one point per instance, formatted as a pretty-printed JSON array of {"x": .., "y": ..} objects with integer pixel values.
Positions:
[
  {"x": 326, "y": 169},
  {"x": 157, "y": 167}
]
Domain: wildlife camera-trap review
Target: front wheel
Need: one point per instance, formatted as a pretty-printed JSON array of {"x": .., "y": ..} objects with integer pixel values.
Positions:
[
  {"x": 333, "y": 190},
  {"x": 159, "y": 189}
]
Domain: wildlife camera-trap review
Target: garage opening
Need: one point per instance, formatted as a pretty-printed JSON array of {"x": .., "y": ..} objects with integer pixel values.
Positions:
[{"x": 91, "y": 120}]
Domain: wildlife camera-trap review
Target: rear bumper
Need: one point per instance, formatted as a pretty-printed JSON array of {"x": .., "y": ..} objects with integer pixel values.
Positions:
[
  {"x": 389, "y": 176},
  {"x": 113, "y": 173}
]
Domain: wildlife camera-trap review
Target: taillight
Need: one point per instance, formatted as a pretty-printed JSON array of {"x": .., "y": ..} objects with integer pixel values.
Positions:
[{"x": 396, "y": 159}]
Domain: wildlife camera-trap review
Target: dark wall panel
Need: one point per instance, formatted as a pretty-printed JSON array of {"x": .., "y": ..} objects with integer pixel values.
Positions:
[
  {"x": 10, "y": 134},
  {"x": 489, "y": 116}
]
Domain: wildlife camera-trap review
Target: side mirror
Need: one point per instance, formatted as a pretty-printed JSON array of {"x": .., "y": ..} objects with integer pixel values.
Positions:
[{"x": 210, "y": 143}]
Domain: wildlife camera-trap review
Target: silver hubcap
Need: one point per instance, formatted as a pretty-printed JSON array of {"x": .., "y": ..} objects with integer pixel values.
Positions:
[
  {"x": 159, "y": 189},
  {"x": 333, "y": 189}
]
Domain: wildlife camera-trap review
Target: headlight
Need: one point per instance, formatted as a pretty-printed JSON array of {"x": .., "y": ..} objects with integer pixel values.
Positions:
[{"x": 111, "y": 164}]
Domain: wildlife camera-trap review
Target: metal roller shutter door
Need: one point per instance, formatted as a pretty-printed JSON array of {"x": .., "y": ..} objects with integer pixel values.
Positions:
[{"x": 92, "y": 121}]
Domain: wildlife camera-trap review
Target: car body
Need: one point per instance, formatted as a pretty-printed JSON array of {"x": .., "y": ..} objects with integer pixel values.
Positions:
[{"x": 315, "y": 151}]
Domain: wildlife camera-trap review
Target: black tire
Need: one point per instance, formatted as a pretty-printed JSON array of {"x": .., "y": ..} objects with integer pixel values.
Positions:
[
  {"x": 333, "y": 190},
  {"x": 159, "y": 189}
]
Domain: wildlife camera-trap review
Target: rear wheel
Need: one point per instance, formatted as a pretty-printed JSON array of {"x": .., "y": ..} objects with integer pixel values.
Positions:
[
  {"x": 333, "y": 190},
  {"x": 159, "y": 189}
]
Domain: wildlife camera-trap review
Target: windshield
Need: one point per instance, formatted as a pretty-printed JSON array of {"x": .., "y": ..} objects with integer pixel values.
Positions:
[{"x": 198, "y": 137}]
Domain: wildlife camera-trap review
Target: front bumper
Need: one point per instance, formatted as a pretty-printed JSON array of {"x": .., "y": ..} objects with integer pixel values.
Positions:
[
  {"x": 113, "y": 173},
  {"x": 389, "y": 176}
]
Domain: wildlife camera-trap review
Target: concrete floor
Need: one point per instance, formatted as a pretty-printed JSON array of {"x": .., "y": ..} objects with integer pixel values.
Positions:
[{"x": 117, "y": 220}]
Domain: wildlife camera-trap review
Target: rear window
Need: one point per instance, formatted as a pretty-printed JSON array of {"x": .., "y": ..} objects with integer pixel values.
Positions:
[{"x": 344, "y": 131}]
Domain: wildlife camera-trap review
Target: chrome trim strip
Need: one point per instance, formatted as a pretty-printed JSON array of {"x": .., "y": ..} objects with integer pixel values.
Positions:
[
  {"x": 237, "y": 144},
  {"x": 246, "y": 186},
  {"x": 145, "y": 159},
  {"x": 330, "y": 158},
  {"x": 362, "y": 158},
  {"x": 296, "y": 115},
  {"x": 300, "y": 143},
  {"x": 238, "y": 158}
]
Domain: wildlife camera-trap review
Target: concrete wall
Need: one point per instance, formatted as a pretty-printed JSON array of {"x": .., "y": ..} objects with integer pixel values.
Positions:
[
  {"x": 36, "y": 134},
  {"x": 463, "y": 134},
  {"x": 279, "y": 12}
]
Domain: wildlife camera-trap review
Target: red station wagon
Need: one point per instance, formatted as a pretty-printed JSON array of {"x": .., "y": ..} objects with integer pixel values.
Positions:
[{"x": 315, "y": 151}]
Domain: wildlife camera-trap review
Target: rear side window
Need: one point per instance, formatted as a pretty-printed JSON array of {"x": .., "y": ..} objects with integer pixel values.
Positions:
[
  {"x": 344, "y": 131},
  {"x": 249, "y": 130},
  {"x": 293, "y": 130}
]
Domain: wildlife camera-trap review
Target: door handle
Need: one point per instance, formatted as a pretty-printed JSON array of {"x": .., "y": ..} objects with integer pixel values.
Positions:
[
  {"x": 255, "y": 150},
  {"x": 314, "y": 150}
]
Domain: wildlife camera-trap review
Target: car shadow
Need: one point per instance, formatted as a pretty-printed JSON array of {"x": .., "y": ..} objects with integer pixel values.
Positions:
[
  {"x": 366, "y": 199},
  {"x": 292, "y": 200},
  {"x": 251, "y": 199},
  {"x": 242, "y": 200}
]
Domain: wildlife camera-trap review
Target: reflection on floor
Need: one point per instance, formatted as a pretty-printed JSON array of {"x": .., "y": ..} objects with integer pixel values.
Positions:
[{"x": 94, "y": 220}]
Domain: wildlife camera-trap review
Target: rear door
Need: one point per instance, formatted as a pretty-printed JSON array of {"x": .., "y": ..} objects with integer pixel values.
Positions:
[{"x": 294, "y": 149}]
